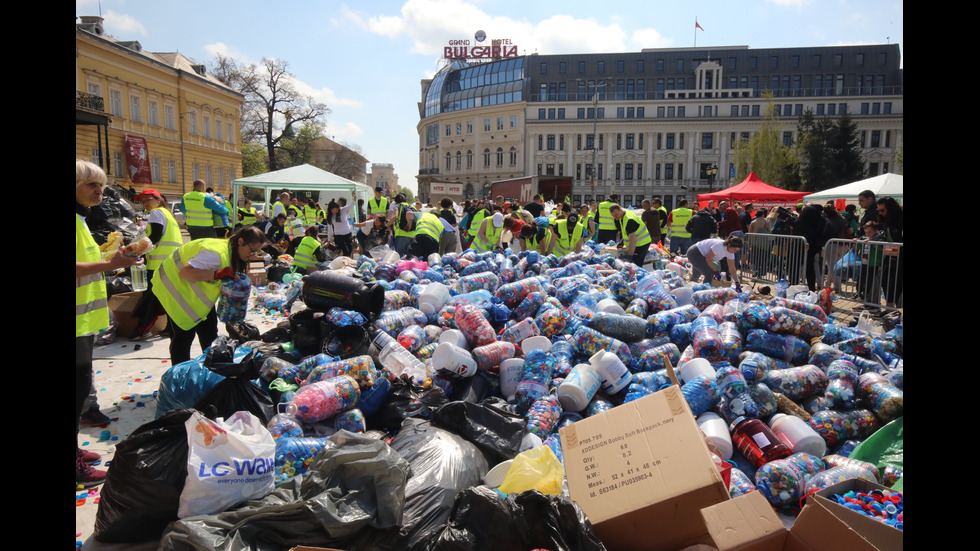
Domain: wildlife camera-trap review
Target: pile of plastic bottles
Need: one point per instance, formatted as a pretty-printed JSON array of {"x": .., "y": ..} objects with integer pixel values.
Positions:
[{"x": 570, "y": 337}]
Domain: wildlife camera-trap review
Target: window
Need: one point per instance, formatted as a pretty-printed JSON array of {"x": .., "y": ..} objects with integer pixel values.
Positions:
[
  {"x": 549, "y": 169},
  {"x": 459, "y": 128},
  {"x": 449, "y": 130},
  {"x": 628, "y": 172},
  {"x": 192, "y": 123},
  {"x": 876, "y": 138},
  {"x": 155, "y": 169},
  {"x": 788, "y": 139},
  {"x": 640, "y": 112},
  {"x": 671, "y": 112},
  {"x": 207, "y": 127},
  {"x": 459, "y": 160},
  {"x": 629, "y": 141},
  {"x": 875, "y": 108},
  {"x": 682, "y": 111},
  {"x": 794, "y": 61},
  {"x": 599, "y": 172},
  {"x": 656, "y": 173},
  {"x": 640, "y": 146},
  {"x": 882, "y": 58},
  {"x": 734, "y": 111},
  {"x": 753, "y": 62},
  {"x": 561, "y": 142},
  {"x": 660, "y": 65},
  {"x": 864, "y": 138},
  {"x": 580, "y": 113},
  {"x": 888, "y": 140},
  {"x": 680, "y": 64},
  {"x": 449, "y": 161},
  {"x": 500, "y": 156},
  {"x": 669, "y": 171},
  {"x": 544, "y": 68},
  {"x": 486, "y": 155},
  {"x": 681, "y": 141},
  {"x": 602, "y": 67},
  {"x": 561, "y": 67},
  {"x": 838, "y": 60},
  {"x": 513, "y": 156},
  {"x": 859, "y": 60},
  {"x": 620, "y": 112},
  {"x": 168, "y": 117},
  {"x": 731, "y": 141},
  {"x": 639, "y": 65},
  {"x": 561, "y": 113},
  {"x": 755, "y": 110},
  {"x": 513, "y": 121},
  {"x": 469, "y": 158},
  {"x": 540, "y": 142},
  {"x": 230, "y": 134},
  {"x": 619, "y": 141},
  {"x": 551, "y": 114},
  {"x": 621, "y": 66},
  {"x": 773, "y": 62},
  {"x": 196, "y": 171},
  {"x": 670, "y": 140},
  {"x": 820, "y": 109},
  {"x": 831, "y": 108},
  {"x": 218, "y": 134},
  {"x": 732, "y": 62},
  {"x": 660, "y": 141},
  {"x": 469, "y": 127},
  {"x": 115, "y": 103},
  {"x": 551, "y": 142},
  {"x": 486, "y": 127},
  {"x": 581, "y": 67},
  {"x": 865, "y": 108},
  {"x": 500, "y": 123},
  {"x": 95, "y": 90},
  {"x": 154, "y": 115},
  {"x": 172, "y": 171},
  {"x": 872, "y": 169},
  {"x": 707, "y": 140},
  {"x": 815, "y": 61},
  {"x": 660, "y": 112},
  {"x": 639, "y": 171},
  {"x": 589, "y": 142}
]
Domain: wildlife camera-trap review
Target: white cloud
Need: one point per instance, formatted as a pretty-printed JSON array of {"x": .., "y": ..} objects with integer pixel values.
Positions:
[
  {"x": 790, "y": 3},
  {"x": 431, "y": 23},
  {"x": 122, "y": 25},
  {"x": 223, "y": 49},
  {"x": 325, "y": 95},
  {"x": 343, "y": 131},
  {"x": 348, "y": 17},
  {"x": 650, "y": 38}
]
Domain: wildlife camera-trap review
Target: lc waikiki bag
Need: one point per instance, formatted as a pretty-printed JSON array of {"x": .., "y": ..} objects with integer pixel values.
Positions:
[{"x": 228, "y": 462}]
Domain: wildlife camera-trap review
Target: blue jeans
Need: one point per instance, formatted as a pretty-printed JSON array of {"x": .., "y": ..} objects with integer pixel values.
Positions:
[
  {"x": 401, "y": 244},
  {"x": 679, "y": 245}
]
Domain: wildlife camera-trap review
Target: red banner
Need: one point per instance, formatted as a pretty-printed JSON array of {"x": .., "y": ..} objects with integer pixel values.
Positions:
[{"x": 137, "y": 161}]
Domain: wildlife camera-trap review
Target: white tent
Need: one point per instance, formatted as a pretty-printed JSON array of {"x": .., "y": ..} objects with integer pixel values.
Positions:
[
  {"x": 883, "y": 185},
  {"x": 302, "y": 178}
]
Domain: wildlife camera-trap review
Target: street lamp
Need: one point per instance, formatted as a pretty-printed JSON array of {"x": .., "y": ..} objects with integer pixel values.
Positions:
[{"x": 711, "y": 172}]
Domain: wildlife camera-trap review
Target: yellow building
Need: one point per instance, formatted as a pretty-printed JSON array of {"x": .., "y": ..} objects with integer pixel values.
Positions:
[{"x": 125, "y": 96}]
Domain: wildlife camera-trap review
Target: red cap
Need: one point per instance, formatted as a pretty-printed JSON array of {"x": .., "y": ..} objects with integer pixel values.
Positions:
[{"x": 149, "y": 192}]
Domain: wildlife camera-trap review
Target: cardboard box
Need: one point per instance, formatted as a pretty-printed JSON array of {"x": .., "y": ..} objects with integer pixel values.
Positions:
[
  {"x": 642, "y": 473},
  {"x": 877, "y": 533},
  {"x": 124, "y": 306},
  {"x": 748, "y": 523}
]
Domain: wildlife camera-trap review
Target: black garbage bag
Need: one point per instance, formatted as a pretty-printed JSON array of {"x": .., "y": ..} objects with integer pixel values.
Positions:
[
  {"x": 355, "y": 482},
  {"x": 443, "y": 464},
  {"x": 406, "y": 400},
  {"x": 305, "y": 328},
  {"x": 118, "y": 285},
  {"x": 142, "y": 489},
  {"x": 496, "y": 431},
  {"x": 482, "y": 520},
  {"x": 236, "y": 392},
  {"x": 279, "y": 333},
  {"x": 242, "y": 331}
]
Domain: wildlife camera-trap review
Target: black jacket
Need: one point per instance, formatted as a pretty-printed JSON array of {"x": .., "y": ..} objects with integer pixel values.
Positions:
[{"x": 701, "y": 226}]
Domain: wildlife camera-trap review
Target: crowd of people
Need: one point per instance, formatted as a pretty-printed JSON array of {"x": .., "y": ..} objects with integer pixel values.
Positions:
[{"x": 184, "y": 279}]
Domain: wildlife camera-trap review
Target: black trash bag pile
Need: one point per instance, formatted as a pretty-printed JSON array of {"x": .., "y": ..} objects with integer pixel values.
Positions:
[
  {"x": 242, "y": 331},
  {"x": 443, "y": 465},
  {"x": 142, "y": 489},
  {"x": 112, "y": 214},
  {"x": 406, "y": 400},
  {"x": 236, "y": 392},
  {"x": 482, "y": 520},
  {"x": 355, "y": 482},
  {"x": 495, "y": 430}
]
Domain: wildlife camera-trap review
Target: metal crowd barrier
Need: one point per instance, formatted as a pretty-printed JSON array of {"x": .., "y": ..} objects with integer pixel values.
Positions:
[
  {"x": 766, "y": 258},
  {"x": 870, "y": 272}
]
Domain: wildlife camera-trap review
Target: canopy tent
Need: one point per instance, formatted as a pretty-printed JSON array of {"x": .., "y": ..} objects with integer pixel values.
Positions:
[
  {"x": 883, "y": 185},
  {"x": 754, "y": 190},
  {"x": 302, "y": 178}
]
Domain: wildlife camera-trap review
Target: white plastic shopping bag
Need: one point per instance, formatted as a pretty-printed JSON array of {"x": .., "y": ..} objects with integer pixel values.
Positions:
[{"x": 228, "y": 462}]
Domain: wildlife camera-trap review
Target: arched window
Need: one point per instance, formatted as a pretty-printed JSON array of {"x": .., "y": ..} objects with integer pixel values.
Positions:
[
  {"x": 449, "y": 161},
  {"x": 459, "y": 160},
  {"x": 469, "y": 158},
  {"x": 500, "y": 156},
  {"x": 486, "y": 157},
  {"x": 513, "y": 156}
]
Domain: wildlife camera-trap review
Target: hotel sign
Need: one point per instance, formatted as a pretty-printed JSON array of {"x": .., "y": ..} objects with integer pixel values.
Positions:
[{"x": 498, "y": 48}]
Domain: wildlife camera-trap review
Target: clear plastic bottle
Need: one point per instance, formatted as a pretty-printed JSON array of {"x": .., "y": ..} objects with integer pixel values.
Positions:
[{"x": 624, "y": 327}]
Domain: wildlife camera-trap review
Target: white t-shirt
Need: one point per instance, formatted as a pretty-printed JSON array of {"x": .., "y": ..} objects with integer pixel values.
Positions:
[
  {"x": 206, "y": 260},
  {"x": 339, "y": 228},
  {"x": 717, "y": 246}
]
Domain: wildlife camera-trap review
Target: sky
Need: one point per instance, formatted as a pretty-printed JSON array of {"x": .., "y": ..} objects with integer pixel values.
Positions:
[{"x": 365, "y": 60}]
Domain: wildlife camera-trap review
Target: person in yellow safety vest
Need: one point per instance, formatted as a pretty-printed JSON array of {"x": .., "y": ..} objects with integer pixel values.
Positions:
[
  {"x": 309, "y": 252},
  {"x": 378, "y": 205},
  {"x": 636, "y": 238},
  {"x": 529, "y": 236},
  {"x": 281, "y": 206},
  {"x": 658, "y": 204},
  {"x": 164, "y": 233},
  {"x": 476, "y": 221},
  {"x": 309, "y": 214},
  {"x": 403, "y": 225},
  {"x": 247, "y": 215},
  {"x": 428, "y": 232},
  {"x": 488, "y": 236},
  {"x": 199, "y": 210},
  {"x": 189, "y": 281},
  {"x": 295, "y": 209},
  {"x": 91, "y": 303},
  {"x": 607, "y": 225},
  {"x": 680, "y": 238},
  {"x": 587, "y": 221},
  {"x": 566, "y": 236}
]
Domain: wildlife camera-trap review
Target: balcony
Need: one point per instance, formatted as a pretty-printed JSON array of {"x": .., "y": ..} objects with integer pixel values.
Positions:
[
  {"x": 84, "y": 100},
  {"x": 427, "y": 171}
]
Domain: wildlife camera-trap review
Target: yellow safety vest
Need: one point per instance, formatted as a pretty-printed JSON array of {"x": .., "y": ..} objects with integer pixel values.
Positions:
[
  {"x": 378, "y": 206},
  {"x": 309, "y": 215},
  {"x": 642, "y": 235},
  {"x": 493, "y": 235},
  {"x": 400, "y": 232},
  {"x": 197, "y": 214},
  {"x": 679, "y": 219},
  {"x": 91, "y": 302},
  {"x": 169, "y": 242},
  {"x": 604, "y": 217},
  {"x": 533, "y": 241},
  {"x": 188, "y": 303},
  {"x": 567, "y": 240},
  {"x": 476, "y": 221},
  {"x": 429, "y": 224},
  {"x": 249, "y": 218},
  {"x": 304, "y": 252}
]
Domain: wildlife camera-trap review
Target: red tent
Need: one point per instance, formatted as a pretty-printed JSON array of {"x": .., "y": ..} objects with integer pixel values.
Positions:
[{"x": 753, "y": 190}]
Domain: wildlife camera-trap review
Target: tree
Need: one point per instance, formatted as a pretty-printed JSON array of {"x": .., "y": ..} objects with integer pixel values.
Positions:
[
  {"x": 253, "y": 159},
  {"x": 901, "y": 158},
  {"x": 346, "y": 161},
  {"x": 409, "y": 196},
  {"x": 296, "y": 148},
  {"x": 272, "y": 105},
  {"x": 828, "y": 152},
  {"x": 765, "y": 153}
]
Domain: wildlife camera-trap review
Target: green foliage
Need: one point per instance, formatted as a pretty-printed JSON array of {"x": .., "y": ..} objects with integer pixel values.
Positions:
[
  {"x": 409, "y": 196},
  {"x": 828, "y": 151},
  {"x": 765, "y": 154},
  {"x": 297, "y": 148},
  {"x": 253, "y": 159},
  {"x": 901, "y": 158}
]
